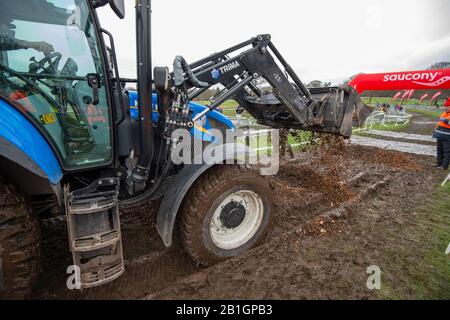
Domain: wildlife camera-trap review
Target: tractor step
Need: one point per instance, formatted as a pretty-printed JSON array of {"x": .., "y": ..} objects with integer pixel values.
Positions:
[{"x": 94, "y": 231}]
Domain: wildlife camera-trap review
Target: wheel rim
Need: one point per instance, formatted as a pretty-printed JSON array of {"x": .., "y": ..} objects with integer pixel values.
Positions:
[{"x": 237, "y": 219}]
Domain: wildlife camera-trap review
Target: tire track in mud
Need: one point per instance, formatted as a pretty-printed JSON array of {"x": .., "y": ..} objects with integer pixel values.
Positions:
[
  {"x": 303, "y": 191},
  {"x": 312, "y": 227},
  {"x": 153, "y": 271},
  {"x": 148, "y": 265}
]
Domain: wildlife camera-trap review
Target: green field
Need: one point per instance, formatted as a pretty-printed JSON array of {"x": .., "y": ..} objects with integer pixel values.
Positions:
[
  {"x": 428, "y": 277},
  {"x": 385, "y": 127},
  {"x": 226, "y": 104},
  {"x": 228, "y": 107},
  {"x": 427, "y": 113},
  {"x": 374, "y": 100}
]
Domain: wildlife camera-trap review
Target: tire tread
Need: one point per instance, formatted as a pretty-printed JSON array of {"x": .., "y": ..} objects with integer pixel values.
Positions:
[
  {"x": 190, "y": 214},
  {"x": 19, "y": 243}
]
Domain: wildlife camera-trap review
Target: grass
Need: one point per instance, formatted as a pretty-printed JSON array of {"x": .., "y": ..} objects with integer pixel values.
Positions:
[
  {"x": 380, "y": 127},
  {"x": 391, "y": 127},
  {"x": 426, "y": 113},
  {"x": 375, "y": 100},
  {"x": 426, "y": 267},
  {"x": 227, "y": 104},
  {"x": 264, "y": 141},
  {"x": 228, "y": 108},
  {"x": 231, "y": 113}
]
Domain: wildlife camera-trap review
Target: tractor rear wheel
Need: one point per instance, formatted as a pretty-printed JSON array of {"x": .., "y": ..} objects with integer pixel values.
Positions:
[
  {"x": 19, "y": 244},
  {"x": 226, "y": 212}
]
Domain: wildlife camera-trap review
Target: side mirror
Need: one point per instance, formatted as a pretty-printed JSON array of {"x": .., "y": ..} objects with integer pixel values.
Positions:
[{"x": 118, "y": 6}]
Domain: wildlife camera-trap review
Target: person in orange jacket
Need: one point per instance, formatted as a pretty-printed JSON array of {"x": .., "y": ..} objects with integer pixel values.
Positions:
[{"x": 442, "y": 134}]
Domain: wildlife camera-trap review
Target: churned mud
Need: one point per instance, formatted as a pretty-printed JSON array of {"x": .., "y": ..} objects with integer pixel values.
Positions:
[{"x": 337, "y": 211}]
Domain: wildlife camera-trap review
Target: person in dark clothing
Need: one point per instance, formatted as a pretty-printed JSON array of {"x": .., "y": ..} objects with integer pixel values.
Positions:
[
  {"x": 8, "y": 40},
  {"x": 442, "y": 134},
  {"x": 239, "y": 110}
]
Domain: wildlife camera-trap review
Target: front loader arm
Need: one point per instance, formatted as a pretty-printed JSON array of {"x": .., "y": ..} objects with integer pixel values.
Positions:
[{"x": 292, "y": 105}]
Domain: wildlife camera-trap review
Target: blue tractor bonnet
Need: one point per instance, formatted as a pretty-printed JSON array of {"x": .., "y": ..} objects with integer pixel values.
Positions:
[
  {"x": 200, "y": 131},
  {"x": 21, "y": 141}
]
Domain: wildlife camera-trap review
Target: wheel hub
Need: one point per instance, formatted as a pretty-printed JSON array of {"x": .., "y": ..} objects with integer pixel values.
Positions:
[
  {"x": 232, "y": 215},
  {"x": 236, "y": 219}
]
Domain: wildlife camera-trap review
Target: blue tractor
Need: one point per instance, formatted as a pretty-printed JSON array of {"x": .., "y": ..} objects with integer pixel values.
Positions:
[{"x": 75, "y": 141}]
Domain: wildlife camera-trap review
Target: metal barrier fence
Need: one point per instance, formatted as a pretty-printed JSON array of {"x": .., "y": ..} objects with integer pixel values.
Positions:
[{"x": 383, "y": 119}]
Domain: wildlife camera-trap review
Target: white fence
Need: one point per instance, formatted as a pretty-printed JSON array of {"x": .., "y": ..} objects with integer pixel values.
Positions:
[{"x": 383, "y": 119}]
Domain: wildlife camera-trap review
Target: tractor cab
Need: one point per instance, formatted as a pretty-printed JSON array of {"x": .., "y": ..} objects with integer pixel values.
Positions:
[{"x": 52, "y": 67}]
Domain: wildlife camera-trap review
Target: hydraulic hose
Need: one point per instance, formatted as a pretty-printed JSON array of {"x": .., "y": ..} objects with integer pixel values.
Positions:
[{"x": 180, "y": 67}]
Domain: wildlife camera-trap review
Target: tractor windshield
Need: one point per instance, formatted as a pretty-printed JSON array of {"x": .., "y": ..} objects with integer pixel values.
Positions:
[{"x": 51, "y": 67}]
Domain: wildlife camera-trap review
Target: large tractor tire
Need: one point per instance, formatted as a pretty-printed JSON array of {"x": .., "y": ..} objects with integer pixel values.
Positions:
[
  {"x": 226, "y": 212},
  {"x": 19, "y": 244}
]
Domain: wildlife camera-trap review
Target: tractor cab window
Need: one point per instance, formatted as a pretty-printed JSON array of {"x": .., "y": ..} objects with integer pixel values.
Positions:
[{"x": 51, "y": 66}]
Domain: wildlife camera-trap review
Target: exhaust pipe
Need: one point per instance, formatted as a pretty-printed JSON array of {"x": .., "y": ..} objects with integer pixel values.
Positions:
[{"x": 139, "y": 177}]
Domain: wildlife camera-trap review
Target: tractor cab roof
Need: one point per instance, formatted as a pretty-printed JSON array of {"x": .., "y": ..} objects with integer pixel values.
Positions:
[{"x": 34, "y": 11}]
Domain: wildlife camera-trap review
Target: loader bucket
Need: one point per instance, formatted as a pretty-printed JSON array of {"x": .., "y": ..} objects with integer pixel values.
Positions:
[
  {"x": 333, "y": 110},
  {"x": 337, "y": 110}
]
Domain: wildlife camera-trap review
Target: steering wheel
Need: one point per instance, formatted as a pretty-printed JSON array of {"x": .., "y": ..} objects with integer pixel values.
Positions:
[{"x": 49, "y": 64}]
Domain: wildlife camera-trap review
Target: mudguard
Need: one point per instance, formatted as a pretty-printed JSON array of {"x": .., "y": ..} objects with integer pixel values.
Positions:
[
  {"x": 23, "y": 144},
  {"x": 176, "y": 189}
]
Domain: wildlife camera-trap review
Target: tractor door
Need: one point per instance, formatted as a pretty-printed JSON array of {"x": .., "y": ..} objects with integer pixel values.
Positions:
[{"x": 52, "y": 69}]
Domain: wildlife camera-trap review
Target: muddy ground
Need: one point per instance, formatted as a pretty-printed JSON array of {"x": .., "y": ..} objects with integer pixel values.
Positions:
[{"x": 337, "y": 212}]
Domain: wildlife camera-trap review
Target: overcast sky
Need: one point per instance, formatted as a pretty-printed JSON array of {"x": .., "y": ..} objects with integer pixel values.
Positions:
[{"x": 321, "y": 39}]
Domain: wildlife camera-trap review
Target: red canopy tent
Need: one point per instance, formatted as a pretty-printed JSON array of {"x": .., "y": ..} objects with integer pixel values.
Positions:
[{"x": 417, "y": 80}]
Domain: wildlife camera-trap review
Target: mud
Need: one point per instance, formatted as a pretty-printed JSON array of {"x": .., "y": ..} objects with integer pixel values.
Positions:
[
  {"x": 331, "y": 206},
  {"x": 325, "y": 256},
  {"x": 403, "y": 136}
]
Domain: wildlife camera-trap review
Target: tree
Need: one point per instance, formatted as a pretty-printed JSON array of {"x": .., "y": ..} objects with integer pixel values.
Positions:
[
  {"x": 315, "y": 84},
  {"x": 440, "y": 65}
]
